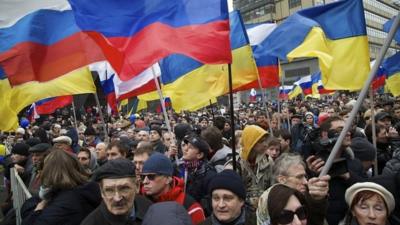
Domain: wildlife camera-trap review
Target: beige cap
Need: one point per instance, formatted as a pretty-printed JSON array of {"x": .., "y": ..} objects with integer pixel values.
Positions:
[
  {"x": 63, "y": 139},
  {"x": 352, "y": 191}
]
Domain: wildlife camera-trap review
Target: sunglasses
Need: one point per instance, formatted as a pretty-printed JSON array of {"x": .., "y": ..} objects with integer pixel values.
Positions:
[
  {"x": 287, "y": 216},
  {"x": 150, "y": 177}
]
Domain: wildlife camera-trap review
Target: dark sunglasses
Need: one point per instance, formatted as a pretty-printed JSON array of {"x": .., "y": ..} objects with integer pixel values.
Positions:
[
  {"x": 287, "y": 216},
  {"x": 151, "y": 177}
]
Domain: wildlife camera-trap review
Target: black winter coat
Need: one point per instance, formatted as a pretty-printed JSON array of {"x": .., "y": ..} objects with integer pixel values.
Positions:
[
  {"x": 101, "y": 216},
  {"x": 67, "y": 207}
]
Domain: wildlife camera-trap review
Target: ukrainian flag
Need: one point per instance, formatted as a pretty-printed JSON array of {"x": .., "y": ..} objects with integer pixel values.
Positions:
[
  {"x": 336, "y": 34},
  {"x": 295, "y": 92},
  {"x": 191, "y": 85},
  {"x": 13, "y": 99},
  {"x": 391, "y": 66}
]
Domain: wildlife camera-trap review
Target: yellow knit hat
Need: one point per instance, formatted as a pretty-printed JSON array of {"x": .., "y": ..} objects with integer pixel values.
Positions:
[{"x": 250, "y": 136}]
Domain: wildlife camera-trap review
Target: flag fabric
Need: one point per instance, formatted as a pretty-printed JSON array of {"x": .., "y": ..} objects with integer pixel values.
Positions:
[
  {"x": 136, "y": 34},
  {"x": 284, "y": 91},
  {"x": 50, "y": 105},
  {"x": 40, "y": 41},
  {"x": 190, "y": 84},
  {"x": 317, "y": 86},
  {"x": 296, "y": 91},
  {"x": 305, "y": 84},
  {"x": 391, "y": 66},
  {"x": 141, "y": 84},
  {"x": 13, "y": 99},
  {"x": 379, "y": 78},
  {"x": 106, "y": 76},
  {"x": 32, "y": 113},
  {"x": 335, "y": 33},
  {"x": 268, "y": 66},
  {"x": 388, "y": 25}
]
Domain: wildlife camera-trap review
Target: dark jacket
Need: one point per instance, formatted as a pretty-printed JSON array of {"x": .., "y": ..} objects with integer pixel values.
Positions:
[
  {"x": 67, "y": 207},
  {"x": 159, "y": 147},
  {"x": 167, "y": 213},
  {"x": 316, "y": 210},
  {"x": 337, "y": 187},
  {"x": 101, "y": 216},
  {"x": 393, "y": 165}
]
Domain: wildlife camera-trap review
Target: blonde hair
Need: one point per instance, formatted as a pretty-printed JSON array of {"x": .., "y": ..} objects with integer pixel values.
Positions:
[{"x": 62, "y": 170}]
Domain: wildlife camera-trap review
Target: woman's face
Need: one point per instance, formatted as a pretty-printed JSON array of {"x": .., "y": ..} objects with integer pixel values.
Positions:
[
  {"x": 370, "y": 211},
  {"x": 293, "y": 207}
]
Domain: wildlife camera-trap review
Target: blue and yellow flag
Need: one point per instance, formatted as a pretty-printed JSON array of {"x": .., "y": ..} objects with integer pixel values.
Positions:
[
  {"x": 16, "y": 98},
  {"x": 191, "y": 84},
  {"x": 335, "y": 33},
  {"x": 391, "y": 66}
]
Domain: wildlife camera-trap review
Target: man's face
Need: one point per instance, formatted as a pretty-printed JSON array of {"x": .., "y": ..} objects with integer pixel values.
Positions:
[
  {"x": 382, "y": 136},
  {"x": 38, "y": 158},
  {"x": 131, "y": 134},
  {"x": 118, "y": 195},
  {"x": 204, "y": 123},
  {"x": 101, "y": 151},
  {"x": 191, "y": 153},
  {"x": 386, "y": 122},
  {"x": 226, "y": 205},
  {"x": 295, "y": 121},
  {"x": 154, "y": 136},
  {"x": 138, "y": 160},
  {"x": 337, "y": 126},
  {"x": 142, "y": 136},
  {"x": 331, "y": 112},
  {"x": 154, "y": 185},
  {"x": 17, "y": 158},
  {"x": 168, "y": 139},
  {"x": 90, "y": 138},
  {"x": 114, "y": 153},
  {"x": 295, "y": 178},
  {"x": 84, "y": 159},
  {"x": 397, "y": 113}
]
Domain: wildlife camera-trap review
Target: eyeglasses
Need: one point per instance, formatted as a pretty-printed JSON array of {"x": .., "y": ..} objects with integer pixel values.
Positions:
[
  {"x": 150, "y": 177},
  {"x": 287, "y": 216},
  {"x": 300, "y": 176},
  {"x": 124, "y": 190}
]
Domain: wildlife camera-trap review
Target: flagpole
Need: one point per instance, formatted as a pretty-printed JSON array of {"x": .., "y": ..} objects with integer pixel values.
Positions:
[
  {"x": 373, "y": 125},
  {"x": 74, "y": 114},
  {"x": 101, "y": 117},
  {"x": 232, "y": 115},
  {"x": 264, "y": 101},
  {"x": 161, "y": 100},
  {"x": 212, "y": 111},
  {"x": 361, "y": 97}
]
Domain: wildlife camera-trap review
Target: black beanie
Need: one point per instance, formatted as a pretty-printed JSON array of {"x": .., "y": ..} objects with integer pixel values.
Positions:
[
  {"x": 156, "y": 128},
  {"x": 20, "y": 149},
  {"x": 228, "y": 180},
  {"x": 363, "y": 149}
]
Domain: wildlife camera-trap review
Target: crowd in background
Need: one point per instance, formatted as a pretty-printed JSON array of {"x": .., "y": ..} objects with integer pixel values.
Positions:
[{"x": 132, "y": 170}]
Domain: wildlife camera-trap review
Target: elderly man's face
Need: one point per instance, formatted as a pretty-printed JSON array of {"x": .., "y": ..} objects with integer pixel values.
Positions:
[{"x": 118, "y": 195}]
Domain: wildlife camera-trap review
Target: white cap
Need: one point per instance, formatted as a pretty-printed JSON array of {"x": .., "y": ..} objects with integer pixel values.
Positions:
[
  {"x": 20, "y": 130},
  {"x": 63, "y": 139},
  {"x": 352, "y": 191}
]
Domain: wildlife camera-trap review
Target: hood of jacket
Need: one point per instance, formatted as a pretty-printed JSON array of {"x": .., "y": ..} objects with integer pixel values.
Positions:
[
  {"x": 250, "y": 136},
  {"x": 167, "y": 213}
]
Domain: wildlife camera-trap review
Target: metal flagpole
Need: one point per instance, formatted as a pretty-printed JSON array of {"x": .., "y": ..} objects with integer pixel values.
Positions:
[
  {"x": 373, "y": 125},
  {"x": 232, "y": 115},
  {"x": 361, "y": 96},
  {"x": 74, "y": 114},
  {"x": 101, "y": 117},
  {"x": 264, "y": 100},
  {"x": 161, "y": 100}
]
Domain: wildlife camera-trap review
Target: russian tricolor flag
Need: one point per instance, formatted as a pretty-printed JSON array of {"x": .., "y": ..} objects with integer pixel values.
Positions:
[
  {"x": 284, "y": 91},
  {"x": 135, "y": 34},
  {"x": 40, "y": 41},
  {"x": 305, "y": 84},
  {"x": 50, "y": 105}
]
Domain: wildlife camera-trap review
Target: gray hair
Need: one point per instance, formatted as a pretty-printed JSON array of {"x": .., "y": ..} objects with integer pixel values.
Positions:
[{"x": 283, "y": 162}]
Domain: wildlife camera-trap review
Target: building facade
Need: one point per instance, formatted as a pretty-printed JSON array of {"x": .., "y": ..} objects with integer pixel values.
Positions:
[{"x": 377, "y": 12}]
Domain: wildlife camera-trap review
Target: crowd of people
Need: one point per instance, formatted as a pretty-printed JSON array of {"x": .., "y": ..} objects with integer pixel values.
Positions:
[{"x": 133, "y": 170}]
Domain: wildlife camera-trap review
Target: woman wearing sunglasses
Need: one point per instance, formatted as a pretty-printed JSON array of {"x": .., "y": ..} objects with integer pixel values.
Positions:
[
  {"x": 369, "y": 203},
  {"x": 281, "y": 205}
]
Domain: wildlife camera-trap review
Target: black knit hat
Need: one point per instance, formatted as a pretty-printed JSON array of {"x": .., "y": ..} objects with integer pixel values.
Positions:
[
  {"x": 113, "y": 169},
  {"x": 90, "y": 131},
  {"x": 228, "y": 180},
  {"x": 20, "y": 149},
  {"x": 363, "y": 149},
  {"x": 156, "y": 128},
  {"x": 32, "y": 141}
]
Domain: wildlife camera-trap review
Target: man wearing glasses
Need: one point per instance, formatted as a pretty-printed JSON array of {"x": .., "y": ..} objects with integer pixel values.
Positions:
[
  {"x": 120, "y": 203},
  {"x": 159, "y": 185}
]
